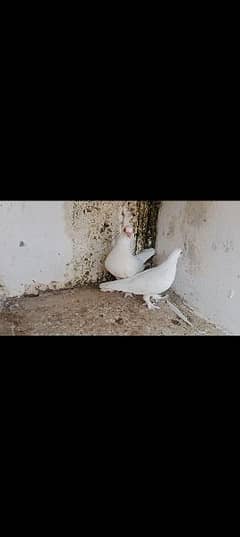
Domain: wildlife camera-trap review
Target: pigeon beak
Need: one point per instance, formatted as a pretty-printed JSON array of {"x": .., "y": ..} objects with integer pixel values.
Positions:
[{"x": 129, "y": 232}]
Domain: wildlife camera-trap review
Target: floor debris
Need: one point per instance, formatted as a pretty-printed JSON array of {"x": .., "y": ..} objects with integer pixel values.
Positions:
[{"x": 87, "y": 311}]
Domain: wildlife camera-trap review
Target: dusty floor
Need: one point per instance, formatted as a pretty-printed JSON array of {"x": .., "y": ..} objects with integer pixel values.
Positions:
[{"x": 87, "y": 311}]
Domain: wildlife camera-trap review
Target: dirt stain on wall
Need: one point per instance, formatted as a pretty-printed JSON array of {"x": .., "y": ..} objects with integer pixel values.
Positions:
[
  {"x": 196, "y": 212},
  {"x": 3, "y": 292},
  {"x": 92, "y": 227}
]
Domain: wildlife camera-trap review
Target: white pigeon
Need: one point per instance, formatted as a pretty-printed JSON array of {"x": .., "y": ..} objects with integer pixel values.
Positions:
[
  {"x": 150, "y": 283},
  {"x": 121, "y": 262}
]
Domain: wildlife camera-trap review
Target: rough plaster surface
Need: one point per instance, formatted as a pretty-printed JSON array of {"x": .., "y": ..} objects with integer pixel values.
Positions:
[
  {"x": 208, "y": 275},
  {"x": 56, "y": 244}
]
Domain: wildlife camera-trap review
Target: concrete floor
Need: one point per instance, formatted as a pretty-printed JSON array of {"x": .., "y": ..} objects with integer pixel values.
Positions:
[{"x": 88, "y": 311}]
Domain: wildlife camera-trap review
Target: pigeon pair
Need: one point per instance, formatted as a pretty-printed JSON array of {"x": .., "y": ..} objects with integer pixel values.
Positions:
[{"x": 129, "y": 269}]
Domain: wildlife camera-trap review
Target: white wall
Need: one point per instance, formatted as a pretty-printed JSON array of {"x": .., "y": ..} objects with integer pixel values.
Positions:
[
  {"x": 52, "y": 244},
  {"x": 208, "y": 275}
]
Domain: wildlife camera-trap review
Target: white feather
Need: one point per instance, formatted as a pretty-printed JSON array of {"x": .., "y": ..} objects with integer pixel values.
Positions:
[
  {"x": 151, "y": 282},
  {"x": 122, "y": 263}
]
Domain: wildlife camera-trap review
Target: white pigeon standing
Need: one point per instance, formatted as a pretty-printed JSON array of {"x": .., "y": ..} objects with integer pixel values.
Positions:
[
  {"x": 150, "y": 283},
  {"x": 122, "y": 262}
]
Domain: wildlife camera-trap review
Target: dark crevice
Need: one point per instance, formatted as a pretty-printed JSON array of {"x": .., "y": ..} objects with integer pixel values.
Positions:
[{"x": 147, "y": 224}]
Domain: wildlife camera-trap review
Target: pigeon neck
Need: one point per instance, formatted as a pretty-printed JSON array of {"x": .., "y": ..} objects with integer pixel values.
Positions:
[{"x": 124, "y": 240}]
